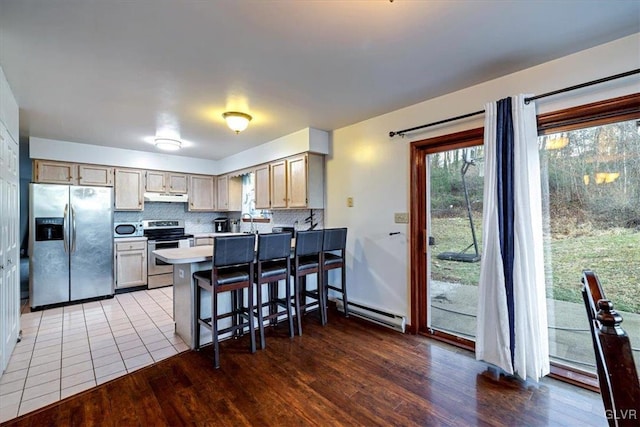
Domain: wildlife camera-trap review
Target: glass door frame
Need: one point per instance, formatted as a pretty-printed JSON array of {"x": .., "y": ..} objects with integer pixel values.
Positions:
[
  {"x": 419, "y": 228},
  {"x": 598, "y": 113}
]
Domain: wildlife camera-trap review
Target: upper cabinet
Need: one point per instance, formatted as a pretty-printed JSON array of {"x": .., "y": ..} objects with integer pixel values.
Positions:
[
  {"x": 47, "y": 171},
  {"x": 202, "y": 194},
  {"x": 229, "y": 193},
  {"x": 278, "y": 179},
  {"x": 129, "y": 189},
  {"x": 55, "y": 172},
  {"x": 177, "y": 183},
  {"x": 297, "y": 182},
  {"x": 166, "y": 182},
  {"x": 262, "y": 190},
  {"x": 95, "y": 175}
]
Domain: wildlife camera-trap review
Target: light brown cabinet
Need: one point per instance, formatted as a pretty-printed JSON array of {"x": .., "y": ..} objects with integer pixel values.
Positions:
[
  {"x": 52, "y": 172},
  {"x": 262, "y": 190},
  {"x": 202, "y": 194},
  {"x": 203, "y": 241},
  {"x": 278, "y": 184},
  {"x": 131, "y": 263},
  {"x": 166, "y": 182},
  {"x": 229, "y": 190},
  {"x": 298, "y": 182},
  {"x": 46, "y": 171},
  {"x": 129, "y": 189},
  {"x": 95, "y": 175}
]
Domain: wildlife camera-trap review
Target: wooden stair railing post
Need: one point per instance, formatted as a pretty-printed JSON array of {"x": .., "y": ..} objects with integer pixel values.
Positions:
[{"x": 617, "y": 374}]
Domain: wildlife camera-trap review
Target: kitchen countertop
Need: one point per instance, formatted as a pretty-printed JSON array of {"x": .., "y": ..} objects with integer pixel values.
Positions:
[
  {"x": 192, "y": 254},
  {"x": 212, "y": 234},
  {"x": 185, "y": 255}
]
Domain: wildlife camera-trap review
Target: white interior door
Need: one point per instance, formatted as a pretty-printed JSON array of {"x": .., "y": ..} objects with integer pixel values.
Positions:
[{"x": 9, "y": 249}]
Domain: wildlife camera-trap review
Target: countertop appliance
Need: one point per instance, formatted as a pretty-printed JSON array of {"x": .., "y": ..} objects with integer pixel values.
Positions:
[
  {"x": 163, "y": 234},
  {"x": 70, "y": 243},
  {"x": 128, "y": 229},
  {"x": 221, "y": 225}
]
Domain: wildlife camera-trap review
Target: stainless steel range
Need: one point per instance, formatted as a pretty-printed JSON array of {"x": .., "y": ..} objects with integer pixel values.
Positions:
[{"x": 163, "y": 234}]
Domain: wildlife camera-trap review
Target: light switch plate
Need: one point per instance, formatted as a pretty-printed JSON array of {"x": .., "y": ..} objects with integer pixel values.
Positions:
[
  {"x": 349, "y": 202},
  {"x": 401, "y": 217}
]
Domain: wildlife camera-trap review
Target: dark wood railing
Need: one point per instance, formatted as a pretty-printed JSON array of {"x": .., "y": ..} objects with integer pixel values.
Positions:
[{"x": 617, "y": 375}]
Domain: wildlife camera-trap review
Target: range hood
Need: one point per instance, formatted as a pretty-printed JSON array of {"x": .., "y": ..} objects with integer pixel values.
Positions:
[{"x": 158, "y": 197}]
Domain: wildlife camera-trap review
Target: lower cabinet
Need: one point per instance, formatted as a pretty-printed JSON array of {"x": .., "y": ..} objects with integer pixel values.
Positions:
[
  {"x": 131, "y": 263},
  {"x": 203, "y": 241}
]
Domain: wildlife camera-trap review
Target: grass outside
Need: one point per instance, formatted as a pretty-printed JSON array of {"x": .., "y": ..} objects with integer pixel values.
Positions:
[{"x": 613, "y": 254}]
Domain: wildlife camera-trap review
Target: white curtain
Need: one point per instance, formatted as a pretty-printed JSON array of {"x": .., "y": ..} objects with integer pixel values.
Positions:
[{"x": 512, "y": 315}]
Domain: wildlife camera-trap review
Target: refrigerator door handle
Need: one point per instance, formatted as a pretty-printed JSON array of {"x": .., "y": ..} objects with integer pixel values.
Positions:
[
  {"x": 65, "y": 238},
  {"x": 73, "y": 229}
]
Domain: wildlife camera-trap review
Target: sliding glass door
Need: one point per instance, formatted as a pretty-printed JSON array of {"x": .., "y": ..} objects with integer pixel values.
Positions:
[
  {"x": 591, "y": 203},
  {"x": 455, "y": 186}
]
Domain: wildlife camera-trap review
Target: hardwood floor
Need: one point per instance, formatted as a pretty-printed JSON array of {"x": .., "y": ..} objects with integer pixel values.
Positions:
[{"x": 349, "y": 372}]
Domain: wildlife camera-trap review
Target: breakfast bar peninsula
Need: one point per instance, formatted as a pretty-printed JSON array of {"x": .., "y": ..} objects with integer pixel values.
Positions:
[{"x": 187, "y": 261}]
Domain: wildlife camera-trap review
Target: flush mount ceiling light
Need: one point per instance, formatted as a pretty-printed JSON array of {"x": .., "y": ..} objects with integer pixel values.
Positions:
[
  {"x": 168, "y": 144},
  {"x": 236, "y": 121}
]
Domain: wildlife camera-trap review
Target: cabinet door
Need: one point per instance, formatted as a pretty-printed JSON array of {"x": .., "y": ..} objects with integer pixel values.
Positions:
[
  {"x": 223, "y": 193},
  {"x": 131, "y": 268},
  {"x": 55, "y": 172},
  {"x": 155, "y": 182},
  {"x": 234, "y": 193},
  {"x": 177, "y": 183},
  {"x": 297, "y": 182},
  {"x": 262, "y": 192},
  {"x": 129, "y": 189},
  {"x": 202, "y": 196},
  {"x": 279, "y": 184},
  {"x": 95, "y": 175}
]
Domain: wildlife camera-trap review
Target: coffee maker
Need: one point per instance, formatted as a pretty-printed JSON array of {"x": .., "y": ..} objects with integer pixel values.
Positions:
[{"x": 221, "y": 225}]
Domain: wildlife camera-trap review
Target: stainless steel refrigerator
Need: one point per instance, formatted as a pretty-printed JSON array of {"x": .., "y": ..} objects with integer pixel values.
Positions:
[{"x": 70, "y": 243}]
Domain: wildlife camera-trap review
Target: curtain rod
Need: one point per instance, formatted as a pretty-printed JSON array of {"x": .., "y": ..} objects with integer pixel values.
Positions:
[{"x": 526, "y": 101}]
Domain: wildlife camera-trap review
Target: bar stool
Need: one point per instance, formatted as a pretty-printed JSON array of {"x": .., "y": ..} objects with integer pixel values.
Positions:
[
  {"x": 232, "y": 272},
  {"x": 333, "y": 249},
  {"x": 273, "y": 263},
  {"x": 306, "y": 261}
]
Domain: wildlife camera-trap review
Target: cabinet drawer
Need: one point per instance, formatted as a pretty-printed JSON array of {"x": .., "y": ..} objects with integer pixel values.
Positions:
[
  {"x": 203, "y": 241},
  {"x": 130, "y": 246}
]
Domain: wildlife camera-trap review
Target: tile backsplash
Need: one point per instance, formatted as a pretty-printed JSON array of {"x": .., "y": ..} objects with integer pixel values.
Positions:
[{"x": 202, "y": 222}]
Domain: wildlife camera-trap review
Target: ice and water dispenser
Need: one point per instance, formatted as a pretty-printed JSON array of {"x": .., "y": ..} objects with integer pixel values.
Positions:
[{"x": 49, "y": 229}]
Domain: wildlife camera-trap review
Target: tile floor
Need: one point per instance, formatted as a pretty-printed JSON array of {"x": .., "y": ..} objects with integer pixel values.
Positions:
[{"x": 70, "y": 349}]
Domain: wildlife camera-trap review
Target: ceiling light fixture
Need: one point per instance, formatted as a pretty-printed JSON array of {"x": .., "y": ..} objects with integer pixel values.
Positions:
[
  {"x": 168, "y": 144},
  {"x": 236, "y": 121}
]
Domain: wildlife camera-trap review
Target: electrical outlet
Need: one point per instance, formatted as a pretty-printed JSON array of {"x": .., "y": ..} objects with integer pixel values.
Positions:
[
  {"x": 349, "y": 202},
  {"x": 401, "y": 218}
]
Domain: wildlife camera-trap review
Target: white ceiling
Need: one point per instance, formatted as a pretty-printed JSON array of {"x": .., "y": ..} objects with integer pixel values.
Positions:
[{"x": 116, "y": 72}]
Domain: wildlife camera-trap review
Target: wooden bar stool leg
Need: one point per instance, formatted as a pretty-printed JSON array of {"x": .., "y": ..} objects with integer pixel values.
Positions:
[
  {"x": 251, "y": 319},
  {"x": 260, "y": 317},
  {"x": 288, "y": 300},
  {"x": 296, "y": 297},
  {"x": 273, "y": 295},
  {"x": 214, "y": 328},
  {"x": 344, "y": 291},
  {"x": 234, "y": 309},
  {"x": 322, "y": 302},
  {"x": 196, "y": 325}
]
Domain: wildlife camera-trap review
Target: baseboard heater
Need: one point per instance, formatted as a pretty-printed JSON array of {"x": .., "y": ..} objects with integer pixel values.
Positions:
[{"x": 390, "y": 320}]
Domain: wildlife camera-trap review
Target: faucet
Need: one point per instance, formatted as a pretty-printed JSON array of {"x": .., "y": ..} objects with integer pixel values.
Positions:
[{"x": 252, "y": 229}]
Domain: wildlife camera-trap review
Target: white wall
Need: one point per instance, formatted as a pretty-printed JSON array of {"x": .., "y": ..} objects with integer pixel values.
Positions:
[{"x": 374, "y": 169}]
